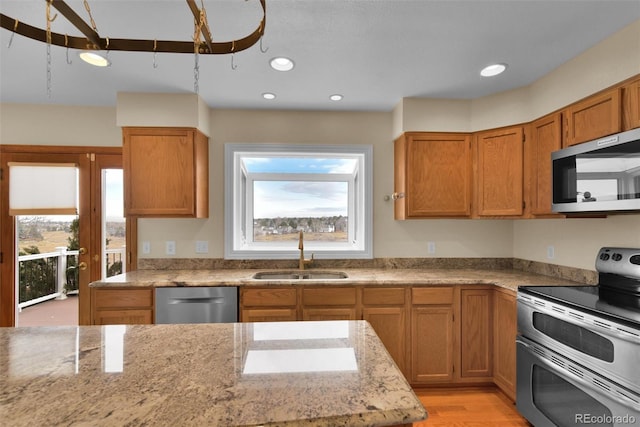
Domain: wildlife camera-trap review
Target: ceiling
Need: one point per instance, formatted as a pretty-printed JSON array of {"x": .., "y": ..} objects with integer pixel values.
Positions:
[{"x": 373, "y": 52}]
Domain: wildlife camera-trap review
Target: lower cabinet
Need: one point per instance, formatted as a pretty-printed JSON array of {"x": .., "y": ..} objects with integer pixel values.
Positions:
[
  {"x": 433, "y": 335},
  {"x": 457, "y": 334},
  {"x": 121, "y": 306},
  {"x": 268, "y": 304},
  {"x": 505, "y": 329},
  {"x": 329, "y": 303},
  {"x": 476, "y": 352},
  {"x": 386, "y": 310}
]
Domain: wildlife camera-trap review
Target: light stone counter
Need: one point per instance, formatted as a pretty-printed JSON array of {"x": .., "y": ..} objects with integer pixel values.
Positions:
[
  {"x": 334, "y": 373},
  {"x": 509, "y": 279}
]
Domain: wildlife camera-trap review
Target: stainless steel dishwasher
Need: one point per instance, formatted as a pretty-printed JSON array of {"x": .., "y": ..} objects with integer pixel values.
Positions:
[{"x": 197, "y": 304}]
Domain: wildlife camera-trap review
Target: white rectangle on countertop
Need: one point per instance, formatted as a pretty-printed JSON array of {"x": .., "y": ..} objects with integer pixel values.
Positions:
[
  {"x": 300, "y": 360},
  {"x": 300, "y": 330}
]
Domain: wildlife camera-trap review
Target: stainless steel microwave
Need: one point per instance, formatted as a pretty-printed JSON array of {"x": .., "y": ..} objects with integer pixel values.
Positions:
[{"x": 598, "y": 176}]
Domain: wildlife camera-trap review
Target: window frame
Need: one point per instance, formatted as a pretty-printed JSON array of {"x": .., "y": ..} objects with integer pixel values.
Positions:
[{"x": 238, "y": 184}]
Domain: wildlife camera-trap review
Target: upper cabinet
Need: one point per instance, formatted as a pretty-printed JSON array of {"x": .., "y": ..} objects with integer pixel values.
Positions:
[
  {"x": 499, "y": 166},
  {"x": 432, "y": 175},
  {"x": 546, "y": 137},
  {"x": 597, "y": 116},
  {"x": 166, "y": 172},
  {"x": 631, "y": 105}
]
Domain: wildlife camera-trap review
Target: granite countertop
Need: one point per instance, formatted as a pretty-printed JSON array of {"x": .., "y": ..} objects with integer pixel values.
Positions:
[
  {"x": 334, "y": 373},
  {"x": 509, "y": 279}
]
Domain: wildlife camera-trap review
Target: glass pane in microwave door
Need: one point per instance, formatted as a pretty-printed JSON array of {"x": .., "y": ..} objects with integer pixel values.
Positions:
[{"x": 591, "y": 190}]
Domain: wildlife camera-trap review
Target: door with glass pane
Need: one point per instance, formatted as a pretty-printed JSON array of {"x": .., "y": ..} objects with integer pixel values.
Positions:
[{"x": 83, "y": 248}]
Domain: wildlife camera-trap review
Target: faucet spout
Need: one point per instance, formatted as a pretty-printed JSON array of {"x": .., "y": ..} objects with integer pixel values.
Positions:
[{"x": 303, "y": 261}]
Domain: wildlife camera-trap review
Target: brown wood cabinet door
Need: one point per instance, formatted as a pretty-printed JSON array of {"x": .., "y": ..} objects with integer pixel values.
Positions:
[
  {"x": 631, "y": 106},
  {"x": 500, "y": 172},
  {"x": 436, "y": 175},
  {"x": 165, "y": 172},
  {"x": 505, "y": 327},
  {"x": 546, "y": 138},
  {"x": 268, "y": 314},
  {"x": 475, "y": 333},
  {"x": 432, "y": 344},
  {"x": 594, "y": 117},
  {"x": 390, "y": 326}
]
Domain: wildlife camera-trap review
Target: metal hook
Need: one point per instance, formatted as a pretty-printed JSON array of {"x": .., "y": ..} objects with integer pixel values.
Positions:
[
  {"x": 15, "y": 27},
  {"x": 233, "y": 66},
  {"x": 66, "y": 43},
  {"x": 261, "y": 49},
  {"x": 155, "y": 46}
]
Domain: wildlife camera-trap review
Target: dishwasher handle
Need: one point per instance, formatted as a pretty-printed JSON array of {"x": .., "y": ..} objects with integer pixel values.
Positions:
[{"x": 211, "y": 300}]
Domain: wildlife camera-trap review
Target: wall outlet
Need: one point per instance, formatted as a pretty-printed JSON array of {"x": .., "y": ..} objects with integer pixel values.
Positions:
[
  {"x": 551, "y": 252},
  {"x": 146, "y": 247},
  {"x": 170, "y": 247},
  {"x": 202, "y": 246},
  {"x": 431, "y": 248}
]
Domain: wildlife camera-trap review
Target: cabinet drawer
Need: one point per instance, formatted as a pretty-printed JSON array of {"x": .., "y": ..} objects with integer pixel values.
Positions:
[
  {"x": 268, "y": 297},
  {"x": 383, "y": 296},
  {"x": 329, "y": 296},
  {"x": 114, "y": 298},
  {"x": 432, "y": 295}
]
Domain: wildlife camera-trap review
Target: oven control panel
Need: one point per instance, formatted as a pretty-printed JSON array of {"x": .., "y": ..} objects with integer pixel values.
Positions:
[{"x": 621, "y": 261}]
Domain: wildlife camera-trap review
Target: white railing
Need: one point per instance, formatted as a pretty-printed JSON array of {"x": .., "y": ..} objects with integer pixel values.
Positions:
[{"x": 111, "y": 257}]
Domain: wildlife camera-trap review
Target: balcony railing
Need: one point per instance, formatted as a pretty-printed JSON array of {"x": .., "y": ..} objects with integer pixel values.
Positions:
[{"x": 42, "y": 277}]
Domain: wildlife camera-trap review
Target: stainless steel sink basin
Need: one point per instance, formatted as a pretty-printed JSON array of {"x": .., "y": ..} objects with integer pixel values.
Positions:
[{"x": 300, "y": 275}]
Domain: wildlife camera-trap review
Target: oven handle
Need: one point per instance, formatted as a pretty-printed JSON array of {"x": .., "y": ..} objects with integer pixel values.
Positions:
[
  {"x": 567, "y": 376},
  {"x": 585, "y": 320}
]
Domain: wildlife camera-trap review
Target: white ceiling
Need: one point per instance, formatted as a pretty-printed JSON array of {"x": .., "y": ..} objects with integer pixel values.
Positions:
[{"x": 374, "y": 52}]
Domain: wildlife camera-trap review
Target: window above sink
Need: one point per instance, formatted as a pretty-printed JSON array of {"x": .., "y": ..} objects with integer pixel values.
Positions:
[{"x": 274, "y": 191}]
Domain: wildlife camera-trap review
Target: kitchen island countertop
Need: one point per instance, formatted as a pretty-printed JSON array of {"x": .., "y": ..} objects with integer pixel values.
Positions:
[
  {"x": 509, "y": 279},
  {"x": 334, "y": 373}
]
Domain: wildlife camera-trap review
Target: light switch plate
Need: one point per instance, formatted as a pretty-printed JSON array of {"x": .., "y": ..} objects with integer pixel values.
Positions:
[
  {"x": 146, "y": 247},
  {"x": 202, "y": 246},
  {"x": 170, "y": 247}
]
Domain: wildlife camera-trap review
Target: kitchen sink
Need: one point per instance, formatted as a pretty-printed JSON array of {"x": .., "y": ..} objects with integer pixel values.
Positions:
[{"x": 300, "y": 275}]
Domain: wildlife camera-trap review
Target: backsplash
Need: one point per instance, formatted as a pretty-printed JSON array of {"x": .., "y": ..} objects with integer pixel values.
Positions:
[{"x": 569, "y": 273}]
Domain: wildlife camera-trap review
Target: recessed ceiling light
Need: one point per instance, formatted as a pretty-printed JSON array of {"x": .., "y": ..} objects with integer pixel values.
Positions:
[
  {"x": 336, "y": 97},
  {"x": 269, "y": 95},
  {"x": 493, "y": 70},
  {"x": 281, "y": 64},
  {"x": 94, "y": 58}
]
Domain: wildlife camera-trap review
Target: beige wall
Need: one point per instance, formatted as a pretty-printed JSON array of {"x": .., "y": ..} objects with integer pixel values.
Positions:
[
  {"x": 58, "y": 125},
  {"x": 575, "y": 241}
]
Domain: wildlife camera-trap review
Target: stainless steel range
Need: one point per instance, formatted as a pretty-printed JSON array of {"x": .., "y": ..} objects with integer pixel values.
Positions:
[{"x": 578, "y": 348}]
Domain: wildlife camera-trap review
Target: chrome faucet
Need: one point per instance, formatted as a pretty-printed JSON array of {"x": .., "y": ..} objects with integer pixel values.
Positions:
[{"x": 303, "y": 261}]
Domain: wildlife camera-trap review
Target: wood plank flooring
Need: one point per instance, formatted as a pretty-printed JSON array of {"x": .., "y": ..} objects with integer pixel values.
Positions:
[{"x": 468, "y": 407}]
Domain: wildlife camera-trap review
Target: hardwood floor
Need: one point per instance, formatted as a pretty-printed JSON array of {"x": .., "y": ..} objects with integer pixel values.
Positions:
[{"x": 468, "y": 407}]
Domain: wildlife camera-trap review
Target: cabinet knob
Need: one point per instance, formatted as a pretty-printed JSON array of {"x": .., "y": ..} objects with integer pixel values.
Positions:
[
  {"x": 396, "y": 196},
  {"x": 82, "y": 251},
  {"x": 82, "y": 266}
]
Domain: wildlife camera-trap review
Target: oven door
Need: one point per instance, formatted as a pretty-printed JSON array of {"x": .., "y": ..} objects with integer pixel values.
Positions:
[
  {"x": 553, "y": 391},
  {"x": 599, "y": 344}
]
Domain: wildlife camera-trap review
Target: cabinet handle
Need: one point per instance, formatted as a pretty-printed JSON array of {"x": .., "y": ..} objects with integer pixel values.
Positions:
[{"x": 396, "y": 196}]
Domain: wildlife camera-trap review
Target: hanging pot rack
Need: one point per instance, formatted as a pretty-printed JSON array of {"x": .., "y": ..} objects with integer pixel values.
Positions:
[{"x": 93, "y": 41}]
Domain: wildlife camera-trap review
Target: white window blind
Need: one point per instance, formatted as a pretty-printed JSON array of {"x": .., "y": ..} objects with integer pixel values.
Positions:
[{"x": 43, "y": 189}]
